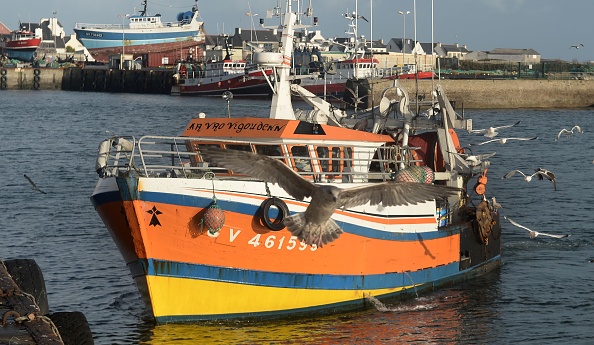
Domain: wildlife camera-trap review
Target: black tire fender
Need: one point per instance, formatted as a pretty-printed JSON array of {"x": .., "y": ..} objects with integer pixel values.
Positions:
[
  {"x": 73, "y": 328},
  {"x": 283, "y": 212},
  {"x": 2, "y": 71},
  {"x": 3, "y": 86},
  {"x": 28, "y": 276},
  {"x": 35, "y": 86},
  {"x": 37, "y": 71}
]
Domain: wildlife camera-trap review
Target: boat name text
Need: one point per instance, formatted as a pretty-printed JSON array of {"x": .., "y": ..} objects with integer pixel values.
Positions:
[
  {"x": 273, "y": 241},
  {"x": 238, "y": 127}
]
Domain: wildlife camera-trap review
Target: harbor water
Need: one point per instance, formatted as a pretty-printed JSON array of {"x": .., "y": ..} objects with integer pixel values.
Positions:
[{"x": 542, "y": 294}]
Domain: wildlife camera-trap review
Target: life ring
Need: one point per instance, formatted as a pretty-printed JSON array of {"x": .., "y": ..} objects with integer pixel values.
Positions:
[
  {"x": 283, "y": 211},
  {"x": 36, "y": 71},
  {"x": 3, "y": 71},
  {"x": 35, "y": 86}
]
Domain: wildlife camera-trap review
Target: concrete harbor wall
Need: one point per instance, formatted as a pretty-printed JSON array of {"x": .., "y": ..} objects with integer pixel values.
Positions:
[
  {"x": 504, "y": 94},
  {"x": 87, "y": 79},
  {"x": 487, "y": 94},
  {"x": 31, "y": 78}
]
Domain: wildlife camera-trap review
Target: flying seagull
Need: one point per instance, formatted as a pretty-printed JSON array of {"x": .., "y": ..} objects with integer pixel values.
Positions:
[
  {"x": 314, "y": 226},
  {"x": 567, "y": 133},
  {"x": 534, "y": 234},
  {"x": 491, "y": 131},
  {"x": 474, "y": 160},
  {"x": 502, "y": 140},
  {"x": 33, "y": 185},
  {"x": 540, "y": 173},
  {"x": 576, "y": 46}
]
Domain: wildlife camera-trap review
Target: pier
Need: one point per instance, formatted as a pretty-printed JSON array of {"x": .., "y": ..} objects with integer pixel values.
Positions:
[
  {"x": 153, "y": 81},
  {"x": 471, "y": 94}
]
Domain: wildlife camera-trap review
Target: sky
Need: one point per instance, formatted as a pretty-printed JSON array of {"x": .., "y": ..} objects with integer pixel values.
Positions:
[{"x": 550, "y": 27}]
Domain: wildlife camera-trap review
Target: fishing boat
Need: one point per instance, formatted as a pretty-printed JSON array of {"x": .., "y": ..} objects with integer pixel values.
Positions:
[
  {"x": 218, "y": 76},
  {"x": 410, "y": 71},
  {"x": 23, "y": 45},
  {"x": 143, "y": 34},
  {"x": 204, "y": 242}
]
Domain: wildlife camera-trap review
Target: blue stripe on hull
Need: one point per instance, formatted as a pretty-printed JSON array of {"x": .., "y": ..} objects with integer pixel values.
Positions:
[
  {"x": 248, "y": 209},
  {"x": 298, "y": 280},
  {"x": 94, "y": 39}
]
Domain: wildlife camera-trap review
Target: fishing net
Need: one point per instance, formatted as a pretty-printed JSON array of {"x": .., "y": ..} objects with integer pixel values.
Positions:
[
  {"x": 214, "y": 218},
  {"x": 415, "y": 173}
]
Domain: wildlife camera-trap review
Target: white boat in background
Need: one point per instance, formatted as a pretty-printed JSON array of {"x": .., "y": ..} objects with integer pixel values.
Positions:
[
  {"x": 144, "y": 33},
  {"x": 204, "y": 242}
]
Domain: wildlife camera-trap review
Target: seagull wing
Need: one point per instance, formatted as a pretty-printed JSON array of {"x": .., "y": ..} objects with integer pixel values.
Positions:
[
  {"x": 486, "y": 156},
  {"x": 512, "y": 173},
  {"x": 563, "y": 131},
  {"x": 554, "y": 236},
  {"x": 484, "y": 142},
  {"x": 33, "y": 185},
  {"x": 478, "y": 131},
  {"x": 506, "y": 126},
  {"x": 519, "y": 225},
  {"x": 394, "y": 194},
  {"x": 577, "y": 128},
  {"x": 261, "y": 167}
]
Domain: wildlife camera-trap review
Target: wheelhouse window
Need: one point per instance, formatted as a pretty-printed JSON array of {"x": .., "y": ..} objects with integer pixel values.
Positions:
[
  {"x": 301, "y": 160},
  {"x": 332, "y": 160}
]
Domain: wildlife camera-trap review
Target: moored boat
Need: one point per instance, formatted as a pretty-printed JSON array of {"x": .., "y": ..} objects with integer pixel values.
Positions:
[
  {"x": 216, "y": 77},
  {"x": 204, "y": 242},
  {"x": 23, "y": 45},
  {"x": 143, "y": 34}
]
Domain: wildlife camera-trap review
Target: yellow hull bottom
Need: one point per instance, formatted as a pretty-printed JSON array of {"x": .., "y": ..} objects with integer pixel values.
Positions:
[{"x": 171, "y": 300}]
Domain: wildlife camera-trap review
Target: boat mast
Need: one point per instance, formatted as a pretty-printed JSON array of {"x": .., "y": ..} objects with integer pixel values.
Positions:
[
  {"x": 282, "y": 108},
  {"x": 143, "y": 11}
]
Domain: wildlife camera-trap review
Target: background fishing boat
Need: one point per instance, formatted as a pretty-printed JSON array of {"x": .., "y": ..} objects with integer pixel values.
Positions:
[
  {"x": 23, "y": 45},
  {"x": 144, "y": 33}
]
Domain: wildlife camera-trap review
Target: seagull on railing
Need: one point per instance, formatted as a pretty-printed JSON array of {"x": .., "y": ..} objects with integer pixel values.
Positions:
[
  {"x": 534, "y": 234},
  {"x": 540, "y": 173},
  {"x": 567, "y": 133},
  {"x": 491, "y": 131},
  {"x": 495, "y": 204},
  {"x": 502, "y": 140}
]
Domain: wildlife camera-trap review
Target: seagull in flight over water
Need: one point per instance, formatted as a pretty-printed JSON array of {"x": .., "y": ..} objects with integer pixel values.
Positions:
[
  {"x": 33, "y": 185},
  {"x": 576, "y": 46},
  {"x": 540, "y": 173},
  {"x": 502, "y": 140},
  {"x": 491, "y": 131},
  {"x": 314, "y": 226},
  {"x": 534, "y": 234},
  {"x": 567, "y": 133}
]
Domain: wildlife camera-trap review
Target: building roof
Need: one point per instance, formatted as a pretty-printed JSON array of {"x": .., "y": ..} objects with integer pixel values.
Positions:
[
  {"x": 514, "y": 51},
  {"x": 4, "y": 30},
  {"x": 253, "y": 36}
]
